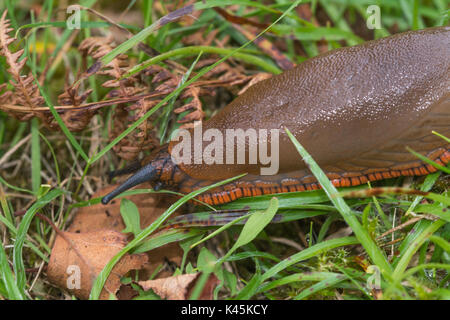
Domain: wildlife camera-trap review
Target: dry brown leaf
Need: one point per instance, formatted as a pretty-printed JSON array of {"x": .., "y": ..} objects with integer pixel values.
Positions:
[
  {"x": 195, "y": 105},
  {"x": 135, "y": 95},
  {"x": 140, "y": 139},
  {"x": 99, "y": 216},
  {"x": 180, "y": 287},
  {"x": 126, "y": 292},
  {"x": 201, "y": 38},
  {"x": 171, "y": 288},
  {"x": 77, "y": 258},
  {"x": 240, "y": 20},
  {"x": 98, "y": 47},
  {"x": 151, "y": 206},
  {"x": 304, "y": 11},
  {"x": 26, "y": 92}
]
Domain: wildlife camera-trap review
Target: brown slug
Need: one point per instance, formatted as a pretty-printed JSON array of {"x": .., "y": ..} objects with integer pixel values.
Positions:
[{"x": 354, "y": 109}]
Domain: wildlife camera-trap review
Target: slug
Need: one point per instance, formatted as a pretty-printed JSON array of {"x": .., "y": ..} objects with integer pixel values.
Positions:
[{"x": 355, "y": 110}]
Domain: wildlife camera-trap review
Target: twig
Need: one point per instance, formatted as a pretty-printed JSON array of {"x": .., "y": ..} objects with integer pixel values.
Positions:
[
  {"x": 288, "y": 242},
  {"x": 407, "y": 223},
  {"x": 14, "y": 149}
]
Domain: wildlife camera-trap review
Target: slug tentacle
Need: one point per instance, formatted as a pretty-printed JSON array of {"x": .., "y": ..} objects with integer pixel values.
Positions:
[{"x": 147, "y": 173}]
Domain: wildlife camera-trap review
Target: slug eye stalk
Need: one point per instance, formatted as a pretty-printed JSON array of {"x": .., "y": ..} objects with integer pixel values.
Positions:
[{"x": 146, "y": 173}]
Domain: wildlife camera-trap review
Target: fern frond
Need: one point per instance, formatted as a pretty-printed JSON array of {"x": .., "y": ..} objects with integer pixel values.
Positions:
[
  {"x": 97, "y": 47},
  {"x": 5, "y": 97},
  {"x": 26, "y": 91},
  {"x": 142, "y": 138}
]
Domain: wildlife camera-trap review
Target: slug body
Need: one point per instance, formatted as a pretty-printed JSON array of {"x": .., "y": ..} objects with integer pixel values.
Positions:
[{"x": 354, "y": 109}]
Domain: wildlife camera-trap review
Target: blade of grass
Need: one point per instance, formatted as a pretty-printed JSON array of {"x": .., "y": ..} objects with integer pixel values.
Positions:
[
  {"x": 406, "y": 257},
  {"x": 309, "y": 253},
  {"x": 5, "y": 209},
  {"x": 417, "y": 229},
  {"x": 374, "y": 252},
  {"x": 194, "y": 50},
  {"x": 254, "y": 225},
  {"x": 35, "y": 156},
  {"x": 426, "y": 160},
  {"x": 398, "y": 190},
  {"x": 63, "y": 24},
  {"x": 286, "y": 200},
  {"x": 219, "y": 230},
  {"x": 250, "y": 289},
  {"x": 35, "y": 143},
  {"x": 55, "y": 159},
  {"x": 325, "y": 283},
  {"x": 60, "y": 121},
  {"x": 165, "y": 238},
  {"x": 13, "y": 291},
  {"x": 381, "y": 213},
  {"x": 296, "y": 277},
  {"x": 19, "y": 268},
  {"x": 252, "y": 254},
  {"x": 130, "y": 216},
  {"x": 444, "y": 244},
  {"x": 324, "y": 229},
  {"x": 426, "y": 186},
  {"x": 173, "y": 16},
  {"x": 8, "y": 221},
  {"x": 415, "y": 269},
  {"x": 415, "y": 14},
  {"x": 168, "y": 111},
  {"x": 199, "y": 285},
  {"x": 441, "y": 136}
]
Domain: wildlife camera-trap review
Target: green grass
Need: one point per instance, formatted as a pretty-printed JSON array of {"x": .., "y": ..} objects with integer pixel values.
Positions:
[{"x": 262, "y": 267}]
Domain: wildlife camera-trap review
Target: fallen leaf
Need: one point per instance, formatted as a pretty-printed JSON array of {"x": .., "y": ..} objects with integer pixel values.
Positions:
[
  {"x": 171, "y": 288},
  {"x": 208, "y": 289},
  {"x": 107, "y": 217},
  {"x": 126, "y": 292},
  {"x": 99, "y": 217},
  {"x": 77, "y": 259},
  {"x": 180, "y": 287}
]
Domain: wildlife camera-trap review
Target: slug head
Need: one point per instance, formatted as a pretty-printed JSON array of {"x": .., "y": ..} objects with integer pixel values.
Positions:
[{"x": 158, "y": 170}]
